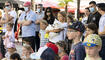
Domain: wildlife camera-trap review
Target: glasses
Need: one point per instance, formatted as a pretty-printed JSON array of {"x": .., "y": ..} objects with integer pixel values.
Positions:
[
  {"x": 71, "y": 31},
  {"x": 7, "y": 5}
]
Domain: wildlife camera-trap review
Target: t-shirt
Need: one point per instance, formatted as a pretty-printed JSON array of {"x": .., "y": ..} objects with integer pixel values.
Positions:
[
  {"x": 87, "y": 58},
  {"x": 77, "y": 52},
  {"x": 65, "y": 57},
  {"x": 102, "y": 23}
]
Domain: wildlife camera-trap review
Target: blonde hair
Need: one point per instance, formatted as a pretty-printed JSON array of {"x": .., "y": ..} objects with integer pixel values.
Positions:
[{"x": 44, "y": 21}]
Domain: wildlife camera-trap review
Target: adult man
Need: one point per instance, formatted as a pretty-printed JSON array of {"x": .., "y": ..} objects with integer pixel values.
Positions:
[
  {"x": 27, "y": 19},
  {"x": 40, "y": 15},
  {"x": 101, "y": 31},
  {"x": 94, "y": 15}
]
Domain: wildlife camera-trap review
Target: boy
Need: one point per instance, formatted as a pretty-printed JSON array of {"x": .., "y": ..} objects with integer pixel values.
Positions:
[
  {"x": 92, "y": 45},
  {"x": 74, "y": 33}
]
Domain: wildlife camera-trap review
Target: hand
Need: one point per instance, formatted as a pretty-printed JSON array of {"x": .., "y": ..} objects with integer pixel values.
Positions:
[
  {"x": 5, "y": 10},
  {"x": 47, "y": 31}
]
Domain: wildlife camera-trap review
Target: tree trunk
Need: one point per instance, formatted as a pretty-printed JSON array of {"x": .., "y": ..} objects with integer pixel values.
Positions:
[
  {"x": 66, "y": 10},
  {"x": 32, "y": 2},
  {"x": 78, "y": 9}
]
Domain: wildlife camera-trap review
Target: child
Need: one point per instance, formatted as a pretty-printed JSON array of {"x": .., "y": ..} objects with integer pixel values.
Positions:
[
  {"x": 93, "y": 44},
  {"x": 62, "y": 52},
  {"x": 15, "y": 56},
  {"x": 43, "y": 25},
  {"x": 9, "y": 35},
  {"x": 26, "y": 51},
  {"x": 91, "y": 29},
  {"x": 74, "y": 33},
  {"x": 10, "y": 50}
]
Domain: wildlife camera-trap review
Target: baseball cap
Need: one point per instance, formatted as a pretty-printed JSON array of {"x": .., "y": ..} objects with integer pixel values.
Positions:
[
  {"x": 10, "y": 45},
  {"x": 27, "y": 4},
  {"x": 42, "y": 53},
  {"x": 92, "y": 40},
  {"x": 77, "y": 25},
  {"x": 53, "y": 47}
]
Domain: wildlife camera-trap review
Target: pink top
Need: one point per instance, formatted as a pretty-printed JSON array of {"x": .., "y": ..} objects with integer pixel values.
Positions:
[
  {"x": 9, "y": 38},
  {"x": 65, "y": 57}
]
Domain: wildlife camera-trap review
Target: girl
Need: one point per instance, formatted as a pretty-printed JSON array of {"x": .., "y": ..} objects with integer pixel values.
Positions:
[
  {"x": 62, "y": 53},
  {"x": 91, "y": 29},
  {"x": 27, "y": 50},
  {"x": 9, "y": 35}
]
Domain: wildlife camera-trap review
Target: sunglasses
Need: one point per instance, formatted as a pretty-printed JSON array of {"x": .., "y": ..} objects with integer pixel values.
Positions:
[{"x": 7, "y": 5}]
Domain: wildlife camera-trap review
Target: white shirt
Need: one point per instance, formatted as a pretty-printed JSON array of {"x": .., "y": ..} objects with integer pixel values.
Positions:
[
  {"x": 102, "y": 23},
  {"x": 11, "y": 13},
  {"x": 56, "y": 37}
]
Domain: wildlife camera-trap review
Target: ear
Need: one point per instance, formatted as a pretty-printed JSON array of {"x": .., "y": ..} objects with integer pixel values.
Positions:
[{"x": 99, "y": 48}]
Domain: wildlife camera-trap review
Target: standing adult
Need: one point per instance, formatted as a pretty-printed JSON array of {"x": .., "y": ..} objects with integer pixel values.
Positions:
[
  {"x": 9, "y": 16},
  {"x": 27, "y": 19},
  {"x": 94, "y": 16},
  {"x": 101, "y": 31},
  {"x": 40, "y": 16}
]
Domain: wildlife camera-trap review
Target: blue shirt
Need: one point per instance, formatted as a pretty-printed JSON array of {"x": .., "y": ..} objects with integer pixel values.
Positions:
[{"x": 29, "y": 30}]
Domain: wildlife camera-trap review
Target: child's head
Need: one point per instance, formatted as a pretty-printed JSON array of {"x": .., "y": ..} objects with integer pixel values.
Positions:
[
  {"x": 92, "y": 44},
  {"x": 62, "y": 16},
  {"x": 15, "y": 56},
  {"x": 61, "y": 46},
  {"x": 75, "y": 30},
  {"x": 43, "y": 24},
  {"x": 26, "y": 49},
  {"x": 11, "y": 47},
  {"x": 91, "y": 29},
  {"x": 70, "y": 18},
  {"x": 9, "y": 26}
]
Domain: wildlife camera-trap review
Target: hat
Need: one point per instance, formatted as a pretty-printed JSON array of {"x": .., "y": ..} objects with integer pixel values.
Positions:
[
  {"x": 53, "y": 47},
  {"x": 77, "y": 25},
  {"x": 27, "y": 4},
  {"x": 42, "y": 53},
  {"x": 10, "y": 45},
  {"x": 92, "y": 40}
]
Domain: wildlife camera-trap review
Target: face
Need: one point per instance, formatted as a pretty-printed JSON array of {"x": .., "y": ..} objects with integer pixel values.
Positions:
[
  {"x": 60, "y": 17},
  {"x": 89, "y": 31},
  {"x": 92, "y": 5},
  {"x": 68, "y": 20},
  {"x": 43, "y": 26},
  {"x": 24, "y": 50},
  {"x": 87, "y": 12},
  {"x": 71, "y": 34},
  {"x": 8, "y": 28},
  {"x": 7, "y": 5},
  {"x": 39, "y": 7},
  {"x": 10, "y": 50},
  {"x": 92, "y": 51}
]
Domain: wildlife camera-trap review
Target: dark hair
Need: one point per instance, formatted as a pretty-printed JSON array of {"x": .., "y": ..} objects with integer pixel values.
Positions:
[
  {"x": 70, "y": 17},
  {"x": 93, "y": 27},
  {"x": 11, "y": 24},
  {"x": 87, "y": 9},
  {"x": 63, "y": 13},
  {"x": 101, "y": 6},
  {"x": 92, "y": 2},
  {"x": 15, "y": 56},
  {"x": 52, "y": 18},
  {"x": 62, "y": 44},
  {"x": 9, "y": 3},
  {"x": 40, "y": 5}
]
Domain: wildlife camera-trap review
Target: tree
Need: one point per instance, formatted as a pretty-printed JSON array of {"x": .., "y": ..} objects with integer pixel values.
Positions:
[{"x": 64, "y": 3}]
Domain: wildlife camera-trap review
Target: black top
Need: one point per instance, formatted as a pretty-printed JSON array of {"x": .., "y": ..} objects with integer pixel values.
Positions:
[{"x": 94, "y": 18}]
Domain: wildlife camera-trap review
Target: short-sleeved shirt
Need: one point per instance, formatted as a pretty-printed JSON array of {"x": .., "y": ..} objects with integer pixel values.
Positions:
[
  {"x": 28, "y": 31},
  {"x": 77, "y": 52},
  {"x": 11, "y": 13},
  {"x": 102, "y": 23},
  {"x": 39, "y": 16}
]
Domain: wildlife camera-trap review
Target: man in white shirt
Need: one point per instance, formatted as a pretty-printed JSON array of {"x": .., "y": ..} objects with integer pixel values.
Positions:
[{"x": 101, "y": 31}]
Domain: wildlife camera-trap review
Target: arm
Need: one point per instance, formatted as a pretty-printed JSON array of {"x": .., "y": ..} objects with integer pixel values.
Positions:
[
  {"x": 102, "y": 33},
  {"x": 55, "y": 30}
]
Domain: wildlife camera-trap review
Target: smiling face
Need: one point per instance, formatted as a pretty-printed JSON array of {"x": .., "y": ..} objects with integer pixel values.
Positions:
[{"x": 60, "y": 17}]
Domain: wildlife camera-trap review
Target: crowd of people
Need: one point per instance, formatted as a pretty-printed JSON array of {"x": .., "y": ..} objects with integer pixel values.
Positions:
[{"x": 45, "y": 37}]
